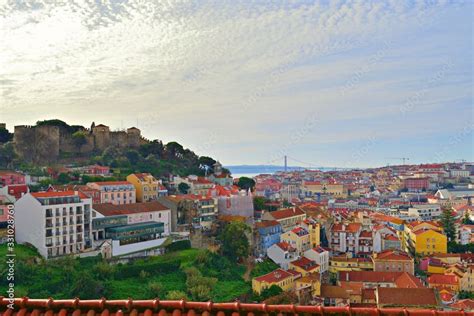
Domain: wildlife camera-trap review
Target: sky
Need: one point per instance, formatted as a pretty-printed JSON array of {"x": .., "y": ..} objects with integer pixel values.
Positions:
[{"x": 328, "y": 83}]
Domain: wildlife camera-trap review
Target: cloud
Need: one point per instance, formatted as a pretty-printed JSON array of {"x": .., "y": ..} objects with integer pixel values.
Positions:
[{"x": 233, "y": 68}]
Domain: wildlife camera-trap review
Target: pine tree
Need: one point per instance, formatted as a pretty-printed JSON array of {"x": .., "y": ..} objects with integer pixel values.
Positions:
[{"x": 447, "y": 221}]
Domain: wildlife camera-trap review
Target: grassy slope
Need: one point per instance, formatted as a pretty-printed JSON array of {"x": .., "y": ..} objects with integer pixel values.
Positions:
[{"x": 47, "y": 278}]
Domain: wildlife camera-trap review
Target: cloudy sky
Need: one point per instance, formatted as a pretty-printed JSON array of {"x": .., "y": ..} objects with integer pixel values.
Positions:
[{"x": 331, "y": 83}]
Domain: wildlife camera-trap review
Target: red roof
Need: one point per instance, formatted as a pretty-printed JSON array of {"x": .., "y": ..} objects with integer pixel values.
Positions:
[
  {"x": 442, "y": 279},
  {"x": 401, "y": 279},
  {"x": 288, "y": 212},
  {"x": 285, "y": 246},
  {"x": 266, "y": 224},
  {"x": 392, "y": 255},
  {"x": 466, "y": 304},
  {"x": 305, "y": 264},
  {"x": 405, "y": 297},
  {"x": 274, "y": 276},
  {"x": 108, "y": 209},
  {"x": 53, "y": 194},
  {"x": 104, "y": 183},
  {"x": 17, "y": 190},
  {"x": 125, "y": 307}
]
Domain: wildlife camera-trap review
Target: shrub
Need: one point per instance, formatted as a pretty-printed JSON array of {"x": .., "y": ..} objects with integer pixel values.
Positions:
[{"x": 179, "y": 245}]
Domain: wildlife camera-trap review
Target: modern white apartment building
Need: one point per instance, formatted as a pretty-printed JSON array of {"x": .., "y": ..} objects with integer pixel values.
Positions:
[
  {"x": 56, "y": 223},
  {"x": 425, "y": 212}
]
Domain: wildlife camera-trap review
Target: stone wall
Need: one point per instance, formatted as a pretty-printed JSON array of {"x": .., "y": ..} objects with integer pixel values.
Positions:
[{"x": 43, "y": 144}]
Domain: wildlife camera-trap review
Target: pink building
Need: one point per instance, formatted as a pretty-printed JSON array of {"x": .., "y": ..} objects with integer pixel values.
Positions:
[
  {"x": 97, "y": 170},
  {"x": 416, "y": 184},
  {"x": 11, "y": 177},
  {"x": 115, "y": 192}
]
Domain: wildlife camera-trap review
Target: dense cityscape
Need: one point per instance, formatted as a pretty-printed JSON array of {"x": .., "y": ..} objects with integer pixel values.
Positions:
[{"x": 399, "y": 235}]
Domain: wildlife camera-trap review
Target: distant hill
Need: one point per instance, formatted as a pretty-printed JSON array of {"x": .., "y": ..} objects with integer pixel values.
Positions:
[{"x": 252, "y": 169}]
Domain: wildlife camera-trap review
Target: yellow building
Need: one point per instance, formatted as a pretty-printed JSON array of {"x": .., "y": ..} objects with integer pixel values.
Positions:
[
  {"x": 343, "y": 263},
  {"x": 465, "y": 274},
  {"x": 435, "y": 268},
  {"x": 310, "y": 284},
  {"x": 424, "y": 238},
  {"x": 314, "y": 228},
  {"x": 298, "y": 238},
  {"x": 146, "y": 186},
  {"x": 285, "y": 280},
  {"x": 315, "y": 188},
  {"x": 426, "y": 242},
  {"x": 288, "y": 218}
]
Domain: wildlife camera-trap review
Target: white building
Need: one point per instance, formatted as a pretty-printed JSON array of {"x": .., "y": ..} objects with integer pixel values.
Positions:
[
  {"x": 56, "y": 223},
  {"x": 459, "y": 173},
  {"x": 425, "y": 212},
  {"x": 138, "y": 228},
  {"x": 465, "y": 234},
  {"x": 282, "y": 253},
  {"x": 320, "y": 256}
]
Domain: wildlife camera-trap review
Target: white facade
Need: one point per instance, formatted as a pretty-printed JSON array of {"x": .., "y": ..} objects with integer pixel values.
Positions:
[
  {"x": 465, "y": 234},
  {"x": 425, "y": 212},
  {"x": 280, "y": 256},
  {"x": 156, "y": 216},
  {"x": 55, "y": 225},
  {"x": 458, "y": 173},
  {"x": 320, "y": 256}
]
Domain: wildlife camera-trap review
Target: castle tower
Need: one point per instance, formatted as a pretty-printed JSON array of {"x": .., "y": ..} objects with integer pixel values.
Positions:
[
  {"x": 133, "y": 137},
  {"x": 101, "y": 136}
]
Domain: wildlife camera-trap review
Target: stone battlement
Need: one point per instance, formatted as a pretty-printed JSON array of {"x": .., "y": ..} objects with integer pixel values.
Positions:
[{"x": 47, "y": 143}]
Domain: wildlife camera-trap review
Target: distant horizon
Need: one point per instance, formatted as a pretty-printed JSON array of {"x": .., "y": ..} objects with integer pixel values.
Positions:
[{"x": 201, "y": 151}]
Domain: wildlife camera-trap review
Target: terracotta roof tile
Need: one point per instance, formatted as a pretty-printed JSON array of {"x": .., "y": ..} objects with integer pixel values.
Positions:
[
  {"x": 405, "y": 297},
  {"x": 288, "y": 212},
  {"x": 125, "y": 307},
  {"x": 442, "y": 279},
  {"x": 392, "y": 255},
  {"x": 108, "y": 209},
  {"x": 274, "y": 276}
]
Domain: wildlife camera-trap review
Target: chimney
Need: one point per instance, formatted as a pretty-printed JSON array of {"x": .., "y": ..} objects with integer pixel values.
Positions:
[
  {"x": 76, "y": 192},
  {"x": 294, "y": 209}
]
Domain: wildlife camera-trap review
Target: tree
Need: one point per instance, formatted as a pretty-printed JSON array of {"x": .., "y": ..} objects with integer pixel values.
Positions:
[
  {"x": 87, "y": 287},
  {"x": 7, "y": 155},
  {"x": 467, "y": 220},
  {"x": 273, "y": 290},
  {"x": 447, "y": 221},
  {"x": 5, "y": 135},
  {"x": 235, "y": 244},
  {"x": 176, "y": 295},
  {"x": 206, "y": 161},
  {"x": 63, "y": 178},
  {"x": 133, "y": 156},
  {"x": 246, "y": 183},
  {"x": 259, "y": 203},
  {"x": 155, "y": 289},
  {"x": 183, "y": 188},
  {"x": 79, "y": 138}
]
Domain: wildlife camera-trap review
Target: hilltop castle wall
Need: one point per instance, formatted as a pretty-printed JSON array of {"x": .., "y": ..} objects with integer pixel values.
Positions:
[
  {"x": 43, "y": 144},
  {"x": 39, "y": 143}
]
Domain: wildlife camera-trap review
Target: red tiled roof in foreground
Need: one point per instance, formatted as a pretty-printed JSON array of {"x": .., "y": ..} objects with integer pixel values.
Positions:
[{"x": 25, "y": 306}]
